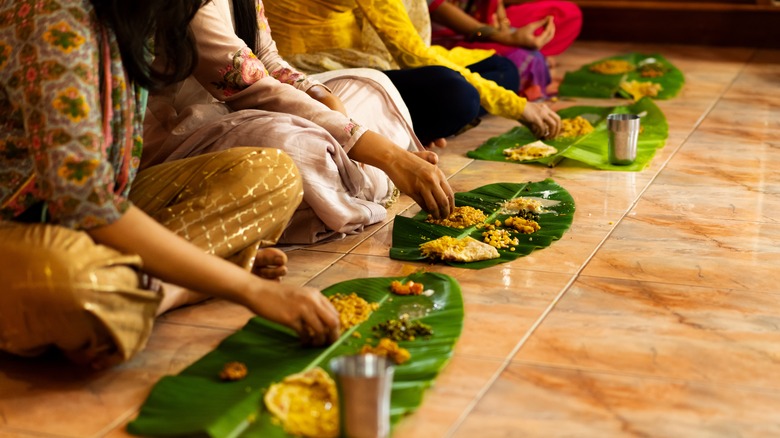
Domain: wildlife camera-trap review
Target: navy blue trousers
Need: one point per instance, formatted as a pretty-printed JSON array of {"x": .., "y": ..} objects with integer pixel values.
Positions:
[{"x": 440, "y": 100}]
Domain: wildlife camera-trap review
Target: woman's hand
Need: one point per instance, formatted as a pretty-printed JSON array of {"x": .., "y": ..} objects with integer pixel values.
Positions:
[
  {"x": 174, "y": 260},
  {"x": 303, "y": 309},
  {"x": 417, "y": 176},
  {"x": 413, "y": 174},
  {"x": 525, "y": 36},
  {"x": 541, "y": 120},
  {"x": 321, "y": 94}
]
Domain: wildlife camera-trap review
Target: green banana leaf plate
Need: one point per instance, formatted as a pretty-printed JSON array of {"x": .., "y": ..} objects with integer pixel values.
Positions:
[
  {"x": 590, "y": 149},
  {"x": 197, "y": 403},
  {"x": 585, "y": 83},
  {"x": 410, "y": 233}
]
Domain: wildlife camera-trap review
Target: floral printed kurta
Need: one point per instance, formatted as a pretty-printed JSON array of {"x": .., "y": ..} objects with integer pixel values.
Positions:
[{"x": 71, "y": 134}]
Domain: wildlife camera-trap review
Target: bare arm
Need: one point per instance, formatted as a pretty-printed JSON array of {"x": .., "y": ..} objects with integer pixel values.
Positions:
[
  {"x": 456, "y": 19},
  {"x": 499, "y": 31},
  {"x": 413, "y": 175},
  {"x": 174, "y": 260}
]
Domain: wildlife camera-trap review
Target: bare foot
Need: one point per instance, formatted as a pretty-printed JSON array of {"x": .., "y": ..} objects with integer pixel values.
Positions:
[
  {"x": 428, "y": 156},
  {"x": 439, "y": 143},
  {"x": 270, "y": 263}
]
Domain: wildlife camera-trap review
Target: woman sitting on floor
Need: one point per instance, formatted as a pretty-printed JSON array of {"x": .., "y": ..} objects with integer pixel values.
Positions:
[
  {"x": 528, "y": 33},
  {"x": 81, "y": 233},
  {"x": 389, "y": 35},
  {"x": 243, "y": 93}
]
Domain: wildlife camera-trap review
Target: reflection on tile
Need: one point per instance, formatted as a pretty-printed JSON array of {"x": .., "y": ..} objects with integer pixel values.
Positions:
[
  {"x": 692, "y": 251},
  {"x": 679, "y": 193},
  {"x": 531, "y": 401},
  {"x": 662, "y": 330},
  {"x": 304, "y": 264},
  {"x": 740, "y": 182},
  {"x": 684, "y": 114},
  {"x": 53, "y": 397},
  {"x": 743, "y": 119},
  {"x": 757, "y": 80},
  {"x": 574, "y": 249},
  {"x": 452, "y": 392}
]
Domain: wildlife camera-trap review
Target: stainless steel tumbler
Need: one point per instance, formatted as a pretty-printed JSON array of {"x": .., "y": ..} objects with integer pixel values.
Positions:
[
  {"x": 364, "y": 383},
  {"x": 623, "y": 132}
]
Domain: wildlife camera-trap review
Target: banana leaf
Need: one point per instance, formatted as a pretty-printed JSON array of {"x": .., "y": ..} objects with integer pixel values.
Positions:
[
  {"x": 197, "y": 403},
  {"x": 410, "y": 233},
  {"x": 590, "y": 149},
  {"x": 585, "y": 83}
]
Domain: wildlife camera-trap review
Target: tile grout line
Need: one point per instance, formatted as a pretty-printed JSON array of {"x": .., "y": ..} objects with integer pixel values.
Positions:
[
  {"x": 506, "y": 362},
  {"x": 122, "y": 419}
]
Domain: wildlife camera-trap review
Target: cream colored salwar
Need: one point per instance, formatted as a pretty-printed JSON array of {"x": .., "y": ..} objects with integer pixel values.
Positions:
[{"x": 242, "y": 96}]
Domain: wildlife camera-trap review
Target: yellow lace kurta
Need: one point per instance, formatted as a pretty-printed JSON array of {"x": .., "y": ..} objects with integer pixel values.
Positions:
[{"x": 318, "y": 35}]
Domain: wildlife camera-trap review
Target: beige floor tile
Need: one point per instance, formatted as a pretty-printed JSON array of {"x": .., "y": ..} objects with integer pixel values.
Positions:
[
  {"x": 304, "y": 264},
  {"x": 691, "y": 251},
  {"x": 662, "y": 330},
  {"x": 743, "y": 120},
  {"x": 452, "y": 393},
  {"x": 532, "y": 401},
  {"x": 759, "y": 78},
  {"x": 737, "y": 182},
  {"x": 52, "y": 397}
]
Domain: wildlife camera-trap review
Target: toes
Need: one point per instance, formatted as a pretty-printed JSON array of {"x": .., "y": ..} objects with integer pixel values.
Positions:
[
  {"x": 271, "y": 273},
  {"x": 270, "y": 257}
]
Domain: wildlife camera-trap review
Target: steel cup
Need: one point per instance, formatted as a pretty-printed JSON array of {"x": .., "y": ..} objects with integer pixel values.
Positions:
[
  {"x": 623, "y": 131},
  {"x": 364, "y": 383}
]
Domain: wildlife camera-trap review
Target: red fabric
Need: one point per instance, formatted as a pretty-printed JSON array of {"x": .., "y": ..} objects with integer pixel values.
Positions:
[{"x": 566, "y": 15}]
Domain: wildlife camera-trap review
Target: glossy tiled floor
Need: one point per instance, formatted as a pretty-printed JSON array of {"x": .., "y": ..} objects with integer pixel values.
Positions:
[{"x": 656, "y": 315}]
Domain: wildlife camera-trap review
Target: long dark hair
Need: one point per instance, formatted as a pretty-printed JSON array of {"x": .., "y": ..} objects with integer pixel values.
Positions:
[
  {"x": 135, "y": 23},
  {"x": 245, "y": 15}
]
